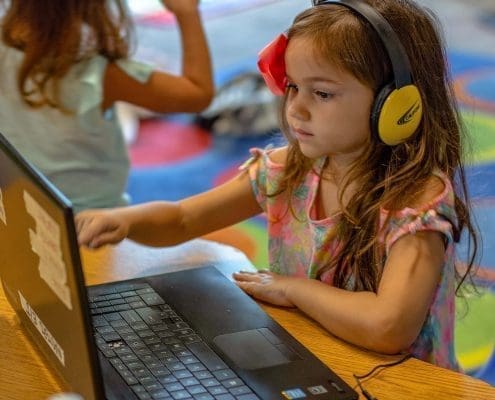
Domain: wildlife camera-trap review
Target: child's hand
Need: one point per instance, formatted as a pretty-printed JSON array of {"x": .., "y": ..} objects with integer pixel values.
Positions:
[
  {"x": 178, "y": 6},
  {"x": 96, "y": 228},
  {"x": 266, "y": 286}
]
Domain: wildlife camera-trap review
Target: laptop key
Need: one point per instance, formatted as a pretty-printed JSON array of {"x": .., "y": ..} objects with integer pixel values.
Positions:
[
  {"x": 216, "y": 390},
  {"x": 202, "y": 374},
  {"x": 129, "y": 293},
  {"x": 167, "y": 379},
  {"x": 171, "y": 387},
  {"x": 160, "y": 394},
  {"x": 138, "y": 389},
  {"x": 152, "y": 299},
  {"x": 135, "y": 365},
  {"x": 129, "y": 358},
  {"x": 198, "y": 367},
  {"x": 112, "y": 316},
  {"x": 203, "y": 396},
  {"x": 160, "y": 372},
  {"x": 119, "y": 325},
  {"x": 152, "y": 340},
  {"x": 225, "y": 397},
  {"x": 230, "y": 383},
  {"x": 196, "y": 389},
  {"x": 99, "y": 320},
  {"x": 181, "y": 395},
  {"x": 131, "y": 317},
  {"x": 114, "y": 296},
  {"x": 130, "y": 380},
  {"x": 108, "y": 353},
  {"x": 207, "y": 356},
  {"x": 122, "y": 307},
  {"x": 183, "y": 373},
  {"x": 150, "y": 315},
  {"x": 145, "y": 290},
  {"x": 210, "y": 382},
  {"x": 189, "y": 382},
  {"x": 110, "y": 337},
  {"x": 236, "y": 391},
  {"x": 142, "y": 373},
  {"x": 105, "y": 329},
  {"x": 224, "y": 374}
]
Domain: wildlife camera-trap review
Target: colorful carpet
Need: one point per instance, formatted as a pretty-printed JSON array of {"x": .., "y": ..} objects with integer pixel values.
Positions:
[{"x": 172, "y": 158}]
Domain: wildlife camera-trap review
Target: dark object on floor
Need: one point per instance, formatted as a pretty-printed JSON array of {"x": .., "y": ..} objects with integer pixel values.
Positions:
[
  {"x": 487, "y": 19},
  {"x": 243, "y": 106}
]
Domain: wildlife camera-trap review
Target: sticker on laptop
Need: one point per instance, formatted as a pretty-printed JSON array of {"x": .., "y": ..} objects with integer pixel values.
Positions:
[
  {"x": 3, "y": 217},
  {"x": 316, "y": 390},
  {"x": 294, "y": 393},
  {"x": 43, "y": 330},
  {"x": 45, "y": 242}
]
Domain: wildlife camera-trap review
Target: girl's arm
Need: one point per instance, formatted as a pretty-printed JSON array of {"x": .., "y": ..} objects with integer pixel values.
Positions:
[
  {"x": 388, "y": 321},
  {"x": 169, "y": 223},
  {"x": 163, "y": 92}
]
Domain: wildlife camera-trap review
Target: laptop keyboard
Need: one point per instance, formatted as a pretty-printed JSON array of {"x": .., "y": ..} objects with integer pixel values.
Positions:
[{"x": 157, "y": 353}]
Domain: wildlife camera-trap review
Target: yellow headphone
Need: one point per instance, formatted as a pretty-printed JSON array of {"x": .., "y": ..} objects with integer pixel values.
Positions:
[{"x": 398, "y": 108}]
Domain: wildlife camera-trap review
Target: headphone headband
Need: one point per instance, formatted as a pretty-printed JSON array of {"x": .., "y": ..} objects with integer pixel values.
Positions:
[{"x": 396, "y": 52}]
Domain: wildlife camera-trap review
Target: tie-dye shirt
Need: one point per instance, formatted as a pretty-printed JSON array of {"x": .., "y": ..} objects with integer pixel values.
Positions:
[{"x": 300, "y": 244}]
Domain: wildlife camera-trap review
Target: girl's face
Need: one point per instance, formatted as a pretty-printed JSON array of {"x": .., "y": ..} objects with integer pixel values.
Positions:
[{"x": 328, "y": 109}]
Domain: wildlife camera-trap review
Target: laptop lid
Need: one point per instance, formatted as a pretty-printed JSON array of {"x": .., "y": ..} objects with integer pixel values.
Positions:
[{"x": 41, "y": 272}]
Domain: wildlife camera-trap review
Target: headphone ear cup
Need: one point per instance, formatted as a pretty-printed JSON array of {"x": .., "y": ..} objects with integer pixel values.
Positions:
[
  {"x": 396, "y": 113},
  {"x": 376, "y": 109}
]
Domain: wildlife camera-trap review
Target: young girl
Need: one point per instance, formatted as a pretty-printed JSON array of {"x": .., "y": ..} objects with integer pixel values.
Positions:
[
  {"x": 63, "y": 66},
  {"x": 361, "y": 232}
]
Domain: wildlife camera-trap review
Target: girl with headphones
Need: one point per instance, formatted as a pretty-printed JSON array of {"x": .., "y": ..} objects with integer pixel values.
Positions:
[{"x": 366, "y": 201}]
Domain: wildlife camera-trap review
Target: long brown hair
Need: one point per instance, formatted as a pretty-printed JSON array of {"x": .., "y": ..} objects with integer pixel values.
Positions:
[
  {"x": 56, "y": 34},
  {"x": 388, "y": 176}
]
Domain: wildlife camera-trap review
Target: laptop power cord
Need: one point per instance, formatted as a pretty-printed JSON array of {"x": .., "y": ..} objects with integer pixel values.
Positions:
[{"x": 358, "y": 378}]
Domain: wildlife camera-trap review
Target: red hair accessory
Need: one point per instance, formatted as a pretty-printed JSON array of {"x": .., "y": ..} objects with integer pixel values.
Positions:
[{"x": 271, "y": 63}]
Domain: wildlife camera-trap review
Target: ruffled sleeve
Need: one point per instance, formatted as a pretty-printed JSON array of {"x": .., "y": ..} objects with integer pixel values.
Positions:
[
  {"x": 263, "y": 173},
  {"x": 83, "y": 88},
  {"x": 438, "y": 215}
]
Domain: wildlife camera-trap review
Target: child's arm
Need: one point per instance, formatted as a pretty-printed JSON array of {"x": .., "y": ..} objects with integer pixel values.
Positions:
[
  {"x": 163, "y": 92},
  {"x": 169, "y": 223},
  {"x": 388, "y": 321}
]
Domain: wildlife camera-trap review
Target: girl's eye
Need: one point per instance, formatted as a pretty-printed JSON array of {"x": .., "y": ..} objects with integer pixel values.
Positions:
[
  {"x": 323, "y": 95},
  {"x": 291, "y": 86}
]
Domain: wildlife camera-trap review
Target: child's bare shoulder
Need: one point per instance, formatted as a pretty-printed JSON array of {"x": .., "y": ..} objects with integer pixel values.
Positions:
[{"x": 278, "y": 155}]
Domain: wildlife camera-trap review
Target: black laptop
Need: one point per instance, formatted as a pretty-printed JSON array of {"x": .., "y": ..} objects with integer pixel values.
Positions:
[{"x": 187, "y": 335}]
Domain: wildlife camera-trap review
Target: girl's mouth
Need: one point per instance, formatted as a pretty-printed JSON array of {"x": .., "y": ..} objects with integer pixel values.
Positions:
[{"x": 301, "y": 134}]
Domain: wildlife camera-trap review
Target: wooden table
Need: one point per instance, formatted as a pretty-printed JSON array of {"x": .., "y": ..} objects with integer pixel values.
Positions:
[{"x": 24, "y": 375}]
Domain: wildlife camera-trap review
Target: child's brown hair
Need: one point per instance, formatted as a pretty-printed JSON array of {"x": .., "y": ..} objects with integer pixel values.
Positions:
[{"x": 56, "y": 34}]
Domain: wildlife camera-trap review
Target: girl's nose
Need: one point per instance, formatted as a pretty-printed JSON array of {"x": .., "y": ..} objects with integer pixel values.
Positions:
[{"x": 297, "y": 109}]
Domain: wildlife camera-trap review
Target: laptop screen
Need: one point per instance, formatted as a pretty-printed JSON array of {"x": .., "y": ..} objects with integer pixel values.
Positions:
[{"x": 41, "y": 273}]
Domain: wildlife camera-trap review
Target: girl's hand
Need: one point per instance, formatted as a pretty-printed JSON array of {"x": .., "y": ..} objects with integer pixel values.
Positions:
[
  {"x": 96, "y": 228},
  {"x": 266, "y": 286},
  {"x": 179, "y": 6}
]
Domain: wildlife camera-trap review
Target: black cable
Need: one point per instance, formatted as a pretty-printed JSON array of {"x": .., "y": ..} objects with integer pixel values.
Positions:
[
  {"x": 358, "y": 378},
  {"x": 365, "y": 393}
]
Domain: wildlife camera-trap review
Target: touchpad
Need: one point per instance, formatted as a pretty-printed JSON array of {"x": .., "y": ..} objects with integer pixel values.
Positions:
[{"x": 253, "y": 349}]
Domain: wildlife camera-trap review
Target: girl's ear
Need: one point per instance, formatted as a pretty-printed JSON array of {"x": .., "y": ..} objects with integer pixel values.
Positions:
[{"x": 271, "y": 64}]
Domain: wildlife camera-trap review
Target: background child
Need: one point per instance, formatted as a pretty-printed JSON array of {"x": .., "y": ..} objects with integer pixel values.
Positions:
[
  {"x": 63, "y": 66},
  {"x": 362, "y": 232}
]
